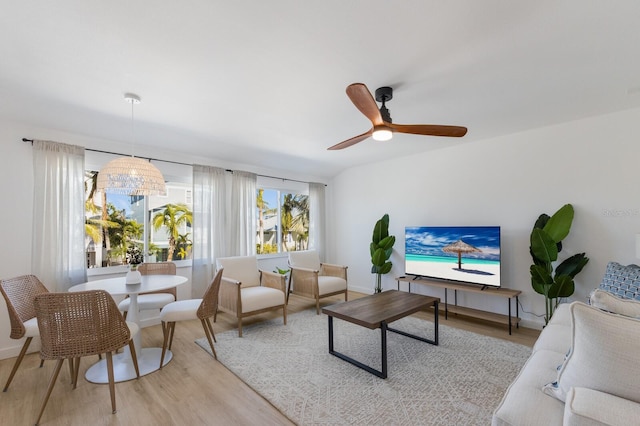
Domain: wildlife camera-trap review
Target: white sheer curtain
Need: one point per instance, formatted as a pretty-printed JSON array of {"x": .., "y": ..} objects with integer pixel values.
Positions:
[
  {"x": 209, "y": 206},
  {"x": 58, "y": 256},
  {"x": 242, "y": 215},
  {"x": 317, "y": 222}
]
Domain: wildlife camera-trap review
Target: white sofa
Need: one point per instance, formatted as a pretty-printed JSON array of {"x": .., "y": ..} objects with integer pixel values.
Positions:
[{"x": 597, "y": 382}]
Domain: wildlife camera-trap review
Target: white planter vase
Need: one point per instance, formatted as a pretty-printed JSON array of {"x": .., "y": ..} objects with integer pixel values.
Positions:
[{"x": 133, "y": 276}]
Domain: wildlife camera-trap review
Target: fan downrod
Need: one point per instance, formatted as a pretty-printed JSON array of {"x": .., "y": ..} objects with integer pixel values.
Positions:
[{"x": 384, "y": 94}]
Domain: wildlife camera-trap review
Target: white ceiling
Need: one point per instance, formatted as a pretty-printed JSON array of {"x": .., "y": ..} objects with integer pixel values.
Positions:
[{"x": 263, "y": 82}]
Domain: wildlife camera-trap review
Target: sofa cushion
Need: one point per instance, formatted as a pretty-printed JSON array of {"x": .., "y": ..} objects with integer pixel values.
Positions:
[
  {"x": 588, "y": 407},
  {"x": 556, "y": 335},
  {"x": 604, "y": 354},
  {"x": 611, "y": 303},
  {"x": 621, "y": 280},
  {"x": 524, "y": 403}
]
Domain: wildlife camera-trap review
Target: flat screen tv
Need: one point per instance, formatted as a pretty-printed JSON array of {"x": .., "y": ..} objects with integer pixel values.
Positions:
[{"x": 467, "y": 254}]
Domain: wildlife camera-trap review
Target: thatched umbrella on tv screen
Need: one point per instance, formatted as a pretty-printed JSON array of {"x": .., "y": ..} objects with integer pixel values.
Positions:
[{"x": 460, "y": 247}]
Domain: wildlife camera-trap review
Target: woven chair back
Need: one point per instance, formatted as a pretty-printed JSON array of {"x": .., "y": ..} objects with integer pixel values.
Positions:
[
  {"x": 81, "y": 323},
  {"x": 209, "y": 302},
  {"x": 19, "y": 293},
  {"x": 159, "y": 268}
]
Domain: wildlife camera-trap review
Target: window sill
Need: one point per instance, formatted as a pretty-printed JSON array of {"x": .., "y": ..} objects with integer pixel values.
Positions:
[
  {"x": 273, "y": 256},
  {"x": 122, "y": 269}
]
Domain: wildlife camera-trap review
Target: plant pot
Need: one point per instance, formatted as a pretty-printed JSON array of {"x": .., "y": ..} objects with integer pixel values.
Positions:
[
  {"x": 133, "y": 276},
  {"x": 378, "y": 284}
]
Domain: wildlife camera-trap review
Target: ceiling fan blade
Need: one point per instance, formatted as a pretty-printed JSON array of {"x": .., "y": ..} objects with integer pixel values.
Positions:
[
  {"x": 429, "y": 129},
  {"x": 354, "y": 140},
  {"x": 363, "y": 100}
]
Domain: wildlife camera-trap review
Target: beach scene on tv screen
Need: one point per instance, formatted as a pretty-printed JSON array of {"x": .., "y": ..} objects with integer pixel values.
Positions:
[{"x": 466, "y": 254}]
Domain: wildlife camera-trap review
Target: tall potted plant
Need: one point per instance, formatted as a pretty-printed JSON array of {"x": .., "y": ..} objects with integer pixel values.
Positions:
[
  {"x": 546, "y": 243},
  {"x": 381, "y": 248}
]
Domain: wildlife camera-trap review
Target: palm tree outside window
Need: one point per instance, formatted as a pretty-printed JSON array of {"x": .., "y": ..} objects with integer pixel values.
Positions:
[
  {"x": 114, "y": 223},
  {"x": 283, "y": 221}
]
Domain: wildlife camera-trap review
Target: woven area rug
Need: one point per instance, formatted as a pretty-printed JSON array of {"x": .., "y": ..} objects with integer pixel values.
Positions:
[{"x": 459, "y": 382}]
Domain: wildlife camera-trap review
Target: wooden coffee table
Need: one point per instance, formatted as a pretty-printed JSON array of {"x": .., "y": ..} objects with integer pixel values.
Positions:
[{"x": 377, "y": 311}]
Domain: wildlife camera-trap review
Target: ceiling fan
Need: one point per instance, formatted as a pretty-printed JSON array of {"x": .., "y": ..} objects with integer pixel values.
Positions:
[{"x": 383, "y": 128}]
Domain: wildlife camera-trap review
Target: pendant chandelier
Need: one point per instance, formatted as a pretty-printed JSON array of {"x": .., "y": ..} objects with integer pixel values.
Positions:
[{"x": 131, "y": 175}]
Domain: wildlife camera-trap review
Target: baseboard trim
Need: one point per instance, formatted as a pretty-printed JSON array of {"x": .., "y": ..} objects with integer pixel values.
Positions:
[{"x": 14, "y": 351}]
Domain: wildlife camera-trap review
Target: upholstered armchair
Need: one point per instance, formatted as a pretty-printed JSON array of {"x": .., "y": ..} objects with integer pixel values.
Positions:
[
  {"x": 245, "y": 290},
  {"x": 313, "y": 279}
]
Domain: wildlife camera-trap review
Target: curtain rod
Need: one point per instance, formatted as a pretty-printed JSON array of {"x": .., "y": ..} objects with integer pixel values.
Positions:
[{"x": 173, "y": 162}]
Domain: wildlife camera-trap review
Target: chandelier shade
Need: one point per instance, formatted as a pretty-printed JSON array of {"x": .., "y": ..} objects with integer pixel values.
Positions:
[{"x": 131, "y": 176}]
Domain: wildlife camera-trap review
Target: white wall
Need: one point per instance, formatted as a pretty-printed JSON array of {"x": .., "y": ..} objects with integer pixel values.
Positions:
[
  {"x": 16, "y": 189},
  {"x": 506, "y": 181}
]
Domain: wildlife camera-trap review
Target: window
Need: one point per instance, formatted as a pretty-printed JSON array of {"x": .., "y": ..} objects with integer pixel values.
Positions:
[
  {"x": 283, "y": 221},
  {"x": 115, "y": 223},
  {"x": 170, "y": 219}
]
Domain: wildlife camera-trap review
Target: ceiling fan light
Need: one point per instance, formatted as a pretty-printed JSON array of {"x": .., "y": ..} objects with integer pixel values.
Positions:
[{"x": 382, "y": 133}]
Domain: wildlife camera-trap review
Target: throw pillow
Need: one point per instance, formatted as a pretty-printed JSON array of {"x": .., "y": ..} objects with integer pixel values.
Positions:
[
  {"x": 622, "y": 281},
  {"x": 608, "y": 302},
  {"x": 603, "y": 357}
]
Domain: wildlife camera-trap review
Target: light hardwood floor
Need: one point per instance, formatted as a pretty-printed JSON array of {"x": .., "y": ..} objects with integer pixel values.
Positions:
[{"x": 193, "y": 389}]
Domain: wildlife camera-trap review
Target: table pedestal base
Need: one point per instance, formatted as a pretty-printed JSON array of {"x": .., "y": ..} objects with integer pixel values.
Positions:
[{"x": 148, "y": 362}]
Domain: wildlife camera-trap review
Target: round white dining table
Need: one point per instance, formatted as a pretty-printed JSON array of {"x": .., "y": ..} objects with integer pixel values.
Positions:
[{"x": 148, "y": 358}]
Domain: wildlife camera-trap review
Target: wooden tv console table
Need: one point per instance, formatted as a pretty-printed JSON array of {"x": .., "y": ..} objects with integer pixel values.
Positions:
[{"x": 470, "y": 312}]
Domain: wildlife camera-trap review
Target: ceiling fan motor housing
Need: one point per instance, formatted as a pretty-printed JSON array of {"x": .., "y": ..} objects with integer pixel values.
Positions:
[{"x": 384, "y": 94}]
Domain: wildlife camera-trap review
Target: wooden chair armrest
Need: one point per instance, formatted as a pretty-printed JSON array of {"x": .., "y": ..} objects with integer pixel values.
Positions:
[
  {"x": 230, "y": 281},
  {"x": 330, "y": 265},
  {"x": 296, "y": 268},
  {"x": 333, "y": 270},
  {"x": 273, "y": 280}
]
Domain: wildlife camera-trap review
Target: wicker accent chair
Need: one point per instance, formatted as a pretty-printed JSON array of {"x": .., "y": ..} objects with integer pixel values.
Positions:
[
  {"x": 184, "y": 310},
  {"x": 77, "y": 324},
  {"x": 19, "y": 293},
  {"x": 245, "y": 290},
  {"x": 155, "y": 299},
  {"x": 314, "y": 279}
]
